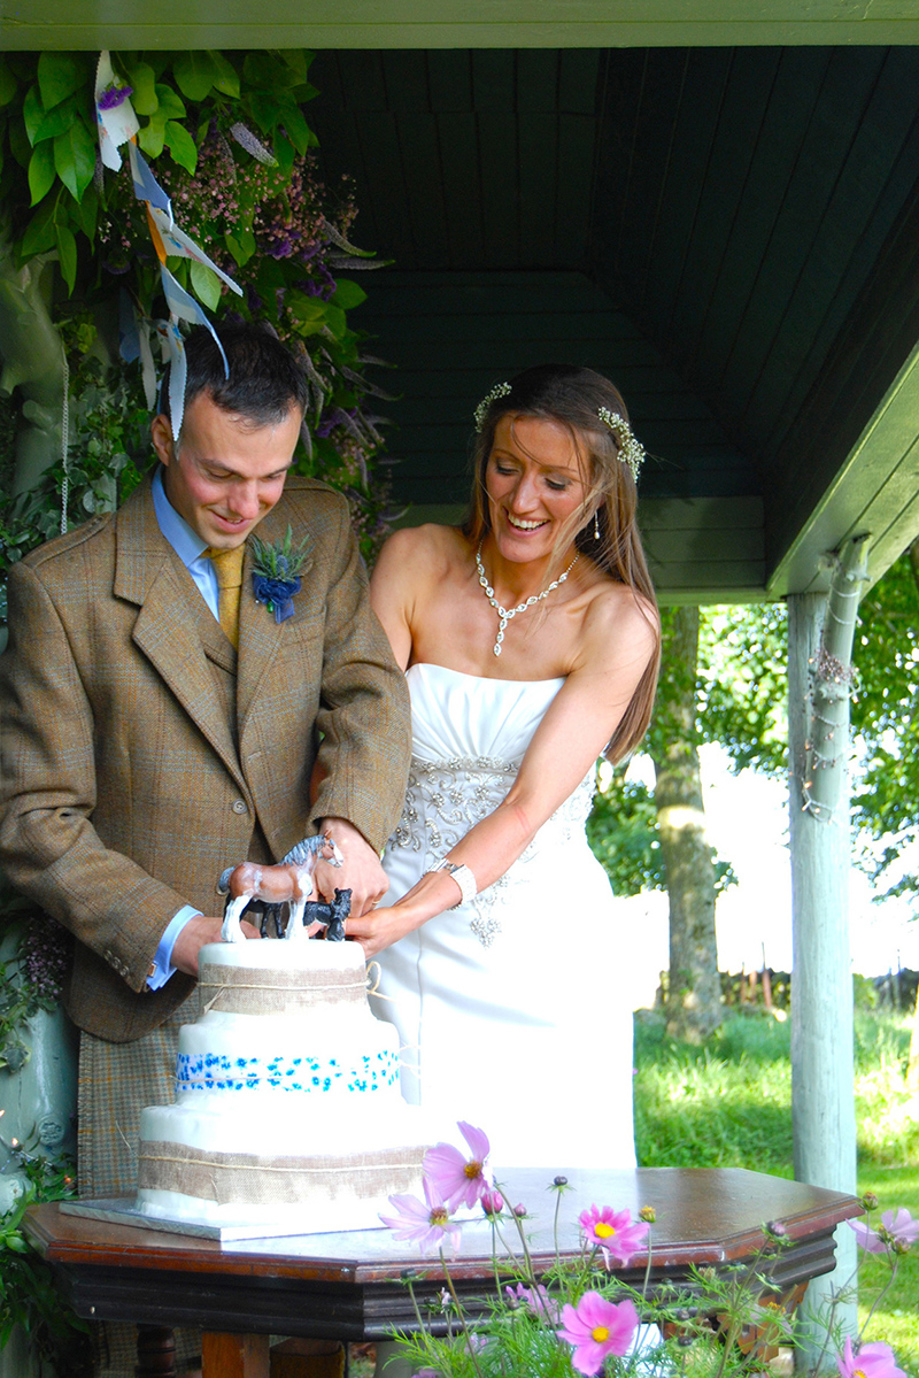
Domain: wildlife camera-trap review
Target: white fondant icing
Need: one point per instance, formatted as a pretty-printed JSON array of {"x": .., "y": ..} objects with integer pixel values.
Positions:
[{"x": 318, "y": 1089}]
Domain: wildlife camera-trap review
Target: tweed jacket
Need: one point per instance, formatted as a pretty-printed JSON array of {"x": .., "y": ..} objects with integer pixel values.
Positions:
[{"x": 125, "y": 785}]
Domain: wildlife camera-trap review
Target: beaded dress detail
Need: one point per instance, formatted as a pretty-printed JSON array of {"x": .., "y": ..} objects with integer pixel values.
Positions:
[{"x": 515, "y": 998}]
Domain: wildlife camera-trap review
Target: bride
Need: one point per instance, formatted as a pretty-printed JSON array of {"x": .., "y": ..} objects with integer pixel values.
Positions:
[{"x": 530, "y": 640}]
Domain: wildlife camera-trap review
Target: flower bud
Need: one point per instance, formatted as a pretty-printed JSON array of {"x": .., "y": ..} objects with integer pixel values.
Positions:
[
  {"x": 492, "y": 1202},
  {"x": 520, "y": 1211},
  {"x": 776, "y": 1229},
  {"x": 560, "y": 1181},
  {"x": 648, "y": 1214},
  {"x": 870, "y": 1201}
]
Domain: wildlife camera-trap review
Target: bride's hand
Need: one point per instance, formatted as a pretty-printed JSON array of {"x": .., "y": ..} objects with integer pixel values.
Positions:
[{"x": 379, "y": 928}]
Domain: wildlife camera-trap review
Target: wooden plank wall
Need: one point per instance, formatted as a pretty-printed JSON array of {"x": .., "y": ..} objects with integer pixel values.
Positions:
[{"x": 451, "y": 337}]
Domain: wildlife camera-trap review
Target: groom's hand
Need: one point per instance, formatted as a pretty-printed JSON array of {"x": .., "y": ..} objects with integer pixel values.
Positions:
[
  {"x": 197, "y": 933},
  {"x": 361, "y": 872}
]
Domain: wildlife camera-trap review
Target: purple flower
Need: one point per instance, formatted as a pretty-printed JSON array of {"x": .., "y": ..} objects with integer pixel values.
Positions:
[
  {"x": 536, "y": 1300},
  {"x": 899, "y": 1227},
  {"x": 597, "y": 1327},
  {"x": 898, "y": 1230},
  {"x": 613, "y": 1233},
  {"x": 458, "y": 1180},
  {"x": 871, "y": 1361},
  {"x": 425, "y": 1223},
  {"x": 113, "y": 96}
]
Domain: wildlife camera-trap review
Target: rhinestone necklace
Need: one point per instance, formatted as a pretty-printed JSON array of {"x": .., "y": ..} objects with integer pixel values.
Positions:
[{"x": 505, "y": 614}]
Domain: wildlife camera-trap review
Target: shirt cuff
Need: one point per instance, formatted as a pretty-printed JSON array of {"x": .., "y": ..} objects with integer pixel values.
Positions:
[{"x": 161, "y": 968}]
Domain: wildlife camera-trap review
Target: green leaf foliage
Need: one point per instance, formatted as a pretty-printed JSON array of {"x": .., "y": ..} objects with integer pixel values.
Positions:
[
  {"x": 60, "y": 74},
  {"x": 226, "y": 78},
  {"x": 622, "y": 832},
  {"x": 885, "y": 719},
  {"x": 8, "y": 84},
  {"x": 75, "y": 159},
  {"x": 181, "y": 145},
  {"x": 67, "y": 255},
  {"x": 348, "y": 294},
  {"x": 39, "y": 235},
  {"x": 59, "y": 120},
  {"x": 20, "y": 146},
  {"x": 33, "y": 112},
  {"x": 206, "y": 285},
  {"x": 142, "y": 80},
  {"x": 41, "y": 172},
  {"x": 195, "y": 73}
]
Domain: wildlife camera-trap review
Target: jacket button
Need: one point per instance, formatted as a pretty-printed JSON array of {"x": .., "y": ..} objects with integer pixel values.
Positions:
[{"x": 239, "y": 806}]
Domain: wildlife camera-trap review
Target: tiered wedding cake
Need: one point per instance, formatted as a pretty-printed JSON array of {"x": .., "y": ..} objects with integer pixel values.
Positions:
[{"x": 288, "y": 1111}]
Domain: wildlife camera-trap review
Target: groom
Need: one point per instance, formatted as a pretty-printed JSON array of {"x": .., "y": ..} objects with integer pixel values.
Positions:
[{"x": 157, "y": 727}]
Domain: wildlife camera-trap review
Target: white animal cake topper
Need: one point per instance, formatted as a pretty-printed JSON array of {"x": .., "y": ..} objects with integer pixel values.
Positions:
[{"x": 290, "y": 882}]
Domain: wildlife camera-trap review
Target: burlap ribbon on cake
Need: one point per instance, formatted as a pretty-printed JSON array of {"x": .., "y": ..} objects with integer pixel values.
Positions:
[
  {"x": 249, "y": 990},
  {"x": 259, "y": 1179}
]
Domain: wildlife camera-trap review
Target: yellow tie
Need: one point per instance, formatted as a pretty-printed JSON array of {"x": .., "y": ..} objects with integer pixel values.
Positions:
[{"x": 228, "y": 565}]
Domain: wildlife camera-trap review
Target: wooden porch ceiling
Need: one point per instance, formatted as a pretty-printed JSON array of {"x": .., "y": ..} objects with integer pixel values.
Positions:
[{"x": 730, "y": 233}]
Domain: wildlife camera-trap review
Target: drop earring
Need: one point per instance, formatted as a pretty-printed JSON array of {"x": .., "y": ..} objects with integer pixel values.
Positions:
[{"x": 596, "y": 526}]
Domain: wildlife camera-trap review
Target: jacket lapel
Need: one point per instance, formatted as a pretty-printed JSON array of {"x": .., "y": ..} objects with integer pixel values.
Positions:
[{"x": 165, "y": 629}]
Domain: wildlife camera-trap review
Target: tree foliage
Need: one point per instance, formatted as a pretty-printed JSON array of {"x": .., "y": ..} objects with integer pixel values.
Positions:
[{"x": 886, "y": 721}]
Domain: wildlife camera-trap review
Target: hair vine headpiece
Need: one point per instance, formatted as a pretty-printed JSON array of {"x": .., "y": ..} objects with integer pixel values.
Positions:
[
  {"x": 631, "y": 451},
  {"x": 499, "y": 390}
]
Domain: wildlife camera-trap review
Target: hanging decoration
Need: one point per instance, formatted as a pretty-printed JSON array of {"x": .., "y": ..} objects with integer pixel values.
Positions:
[{"x": 118, "y": 125}]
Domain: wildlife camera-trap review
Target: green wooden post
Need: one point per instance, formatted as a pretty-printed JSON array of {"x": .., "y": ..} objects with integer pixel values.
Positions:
[{"x": 820, "y": 631}]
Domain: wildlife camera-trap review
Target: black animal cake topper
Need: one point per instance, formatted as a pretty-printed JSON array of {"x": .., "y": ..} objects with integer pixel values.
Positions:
[{"x": 288, "y": 885}]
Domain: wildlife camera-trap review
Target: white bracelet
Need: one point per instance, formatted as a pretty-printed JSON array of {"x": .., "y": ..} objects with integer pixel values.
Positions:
[{"x": 464, "y": 879}]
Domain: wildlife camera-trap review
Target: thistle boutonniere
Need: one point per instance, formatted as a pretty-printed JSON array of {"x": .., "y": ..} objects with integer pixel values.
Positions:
[{"x": 276, "y": 572}]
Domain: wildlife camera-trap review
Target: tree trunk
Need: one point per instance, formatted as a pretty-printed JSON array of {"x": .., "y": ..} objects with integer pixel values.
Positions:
[{"x": 694, "y": 995}]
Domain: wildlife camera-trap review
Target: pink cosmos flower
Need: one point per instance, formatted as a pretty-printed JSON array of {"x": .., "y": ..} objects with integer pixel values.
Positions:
[
  {"x": 492, "y": 1202},
  {"x": 871, "y": 1361},
  {"x": 597, "y": 1327},
  {"x": 897, "y": 1228},
  {"x": 614, "y": 1233},
  {"x": 536, "y": 1300},
  {"x": 459, "y": 1180},
  {"x": 424, "y": 1224},
  {"x": 868, "y": 1238}
]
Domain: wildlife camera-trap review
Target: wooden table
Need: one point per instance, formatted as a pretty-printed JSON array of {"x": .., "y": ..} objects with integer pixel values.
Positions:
[{"x": 351, "y": 1286}]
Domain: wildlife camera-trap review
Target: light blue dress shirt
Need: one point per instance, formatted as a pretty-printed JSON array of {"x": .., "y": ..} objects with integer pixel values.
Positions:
[{"x": 190, "y": 549}]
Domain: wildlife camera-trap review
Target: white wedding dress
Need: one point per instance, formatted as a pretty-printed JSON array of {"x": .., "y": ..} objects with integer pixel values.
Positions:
[{"x": 514, "y": 1012}]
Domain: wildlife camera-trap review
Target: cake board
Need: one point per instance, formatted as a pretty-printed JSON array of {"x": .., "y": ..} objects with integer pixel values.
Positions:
[{"x": 122, "y": 1211}]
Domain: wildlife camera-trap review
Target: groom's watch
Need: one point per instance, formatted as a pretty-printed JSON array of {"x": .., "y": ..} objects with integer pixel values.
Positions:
[{"x": 464, "y": 879}]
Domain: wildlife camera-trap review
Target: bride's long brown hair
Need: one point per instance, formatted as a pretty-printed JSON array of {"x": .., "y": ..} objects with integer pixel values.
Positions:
[{"x": 573, "y": 397}]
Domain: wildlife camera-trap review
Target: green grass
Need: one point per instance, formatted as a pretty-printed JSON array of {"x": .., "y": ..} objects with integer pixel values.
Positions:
[{"x": 728, "y": 1104}]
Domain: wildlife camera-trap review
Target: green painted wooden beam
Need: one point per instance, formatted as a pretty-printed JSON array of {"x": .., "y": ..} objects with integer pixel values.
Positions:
[
  {"x": 876, "y": 491},
  {"x": 88, "y": 24}
]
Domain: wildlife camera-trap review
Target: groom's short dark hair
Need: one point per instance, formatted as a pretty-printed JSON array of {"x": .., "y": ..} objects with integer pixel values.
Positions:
[{"x": 264, "y": 381}]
